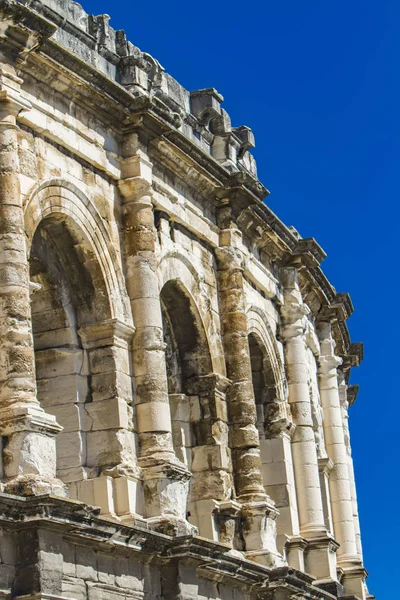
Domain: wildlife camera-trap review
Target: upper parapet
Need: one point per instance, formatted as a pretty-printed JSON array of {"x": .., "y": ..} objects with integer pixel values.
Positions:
[{"x": 197, "y": 114}]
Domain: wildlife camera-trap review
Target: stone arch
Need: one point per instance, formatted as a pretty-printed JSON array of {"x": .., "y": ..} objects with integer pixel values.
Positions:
[
  {"x": 78, "y": 313},
  {"x": 187, "y": 338},
  {"x": 188, "y": 360},
  {"x": 196, "y": 387},
  {"x": 60, "y": 196},
  {"x": 261, "y": 330},
  {"x": 175, "y": 266}
]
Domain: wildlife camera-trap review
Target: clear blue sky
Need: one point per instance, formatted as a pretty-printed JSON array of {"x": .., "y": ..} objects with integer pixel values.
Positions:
[{"x": 318, "y": 82}]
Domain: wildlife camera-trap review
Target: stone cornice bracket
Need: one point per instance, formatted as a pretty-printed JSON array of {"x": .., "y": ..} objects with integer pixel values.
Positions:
[
  {"x": 294, "y": 313},
  {"x": 295, "y": 319},
  {"x": 352, "y": 393},
  {"x": 136, "y": 170},
  {"x": 247, "y": 139},
  {"x": 133, "y": 189},
  {"x": 354, "y": 356},
  {"x": 340, "y": 309},
  {"x": 229, "y": 257},
  {"x": 205, "y": 105},
  {"x": 207, "y": 384},
  {"x": 24, "y": 29},
  {"x": 306, "y": 253},
  {"x": 325, "y": 465}
]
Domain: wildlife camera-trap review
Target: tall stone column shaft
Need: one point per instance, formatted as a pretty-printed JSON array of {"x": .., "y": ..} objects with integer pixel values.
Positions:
[
  {"x": 320, "y": 560},
  {"x": 149, "y": 367},
  {"x": 258, "y": 511},
  {"x": 354, "y": 574},
  {"x": 27, "y": 430},
  {"x": 305, "y": 460},
  {"x": 240, "y": 396},
  {"x": 165, "y": 477},
  {"x": 344, "y": 403},
  {"x": 342, "y": 508}
]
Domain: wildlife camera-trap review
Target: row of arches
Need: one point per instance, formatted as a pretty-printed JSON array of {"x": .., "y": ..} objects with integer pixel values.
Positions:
[{"x": 78, "y": 287}]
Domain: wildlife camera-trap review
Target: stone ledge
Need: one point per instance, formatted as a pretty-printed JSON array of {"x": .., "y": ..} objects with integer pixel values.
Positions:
[{"x": 81, "y": 523}]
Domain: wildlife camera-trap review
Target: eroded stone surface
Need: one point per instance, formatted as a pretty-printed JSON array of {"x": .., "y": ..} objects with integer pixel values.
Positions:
[{"x": 170, "y": 351}]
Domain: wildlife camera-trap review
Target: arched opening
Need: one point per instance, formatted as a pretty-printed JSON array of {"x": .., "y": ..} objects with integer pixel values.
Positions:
[
  {"x": 198, "y": 405},
  {"x": 187, "y": 359},
  {"x": 264, "y": 386},
  {"x": 275, "y": 444},
  {"x": 67, "y": 293},
  {"x": 187, "y": 349}
]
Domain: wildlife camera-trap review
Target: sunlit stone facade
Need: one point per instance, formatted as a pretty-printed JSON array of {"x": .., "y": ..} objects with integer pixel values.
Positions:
[{"x": 174, "y": 363}]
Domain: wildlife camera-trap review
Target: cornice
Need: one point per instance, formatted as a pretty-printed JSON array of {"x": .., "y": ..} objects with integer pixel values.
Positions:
[{"x": 82, "y": 524}]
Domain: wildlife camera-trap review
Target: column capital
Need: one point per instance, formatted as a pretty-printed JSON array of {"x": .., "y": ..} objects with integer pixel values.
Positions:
[
  {"x": 295, "y": 319},
  {"x": 135, "y": 189},
  {"x": 328, "y": 363},
  {"x": 328, "y": 360},
  {"x": 11, "y": 101},
  {"x": 229, "y": 257},
  {"x": 325, "y": 465},
  {"x": 111, "y": 332}
]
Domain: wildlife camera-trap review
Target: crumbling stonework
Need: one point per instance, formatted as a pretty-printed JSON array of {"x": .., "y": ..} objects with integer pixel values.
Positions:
[{"x": 174, "y": 364}]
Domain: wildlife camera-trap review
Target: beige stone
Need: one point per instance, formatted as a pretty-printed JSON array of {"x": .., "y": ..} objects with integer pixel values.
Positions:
[{"x": 170, "y": 352}]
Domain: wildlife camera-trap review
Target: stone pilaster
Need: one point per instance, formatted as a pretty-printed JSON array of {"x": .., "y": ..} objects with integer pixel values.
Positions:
[
  {"x": 110, "y": 439},
  {"x": 211, "y": 457},
  {"x": 29, "y": 453},
  {"x": 344, "y": 403},
  {"x": 165, "y": 477},
  {"x": 259, "y": 513},
  {"x": 354, "y": 577},
  {"x": 320, "y": 560},
  {"x": 342, "y": 509}
]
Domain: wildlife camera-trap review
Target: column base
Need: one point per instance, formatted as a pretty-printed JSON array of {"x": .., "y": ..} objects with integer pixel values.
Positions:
[
  {"x": 259, "y": 532},
  {"x": 266, "y": 558},
  {"x": 119, "y": 498},
  {"x": 165, "y": 490},
  {"x": 320, "y": 558},
  {"x": 35, "y": 485},
  {"x": 203, "y": 514},
  {"x": 295, "y": 548},
  {"x": 29, "y": 451},
  {"x": 172, "y": 526},
  {"x": 354, "y": 581}
]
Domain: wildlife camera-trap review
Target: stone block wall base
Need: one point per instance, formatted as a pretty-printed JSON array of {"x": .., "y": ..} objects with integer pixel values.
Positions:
[
  {"x": 202, "y": 516},
  {"x": 40, "y": 596},
  {"x": 266, "y": 558},
  {"x": 35, "y": 485},
  {"x": 118, "y": 497},
  {"x": 172, "y": 526}
]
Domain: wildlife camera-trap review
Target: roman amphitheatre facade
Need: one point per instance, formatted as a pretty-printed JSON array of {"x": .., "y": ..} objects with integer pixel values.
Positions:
[{"x": 174, "y": 363}]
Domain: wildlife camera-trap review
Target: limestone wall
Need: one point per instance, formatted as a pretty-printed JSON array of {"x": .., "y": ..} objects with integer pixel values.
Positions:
[{"x": 172, "y": 353}]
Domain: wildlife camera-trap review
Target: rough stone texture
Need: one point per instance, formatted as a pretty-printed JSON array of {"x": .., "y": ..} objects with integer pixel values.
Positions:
[{"x": 170, "y": 352}]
